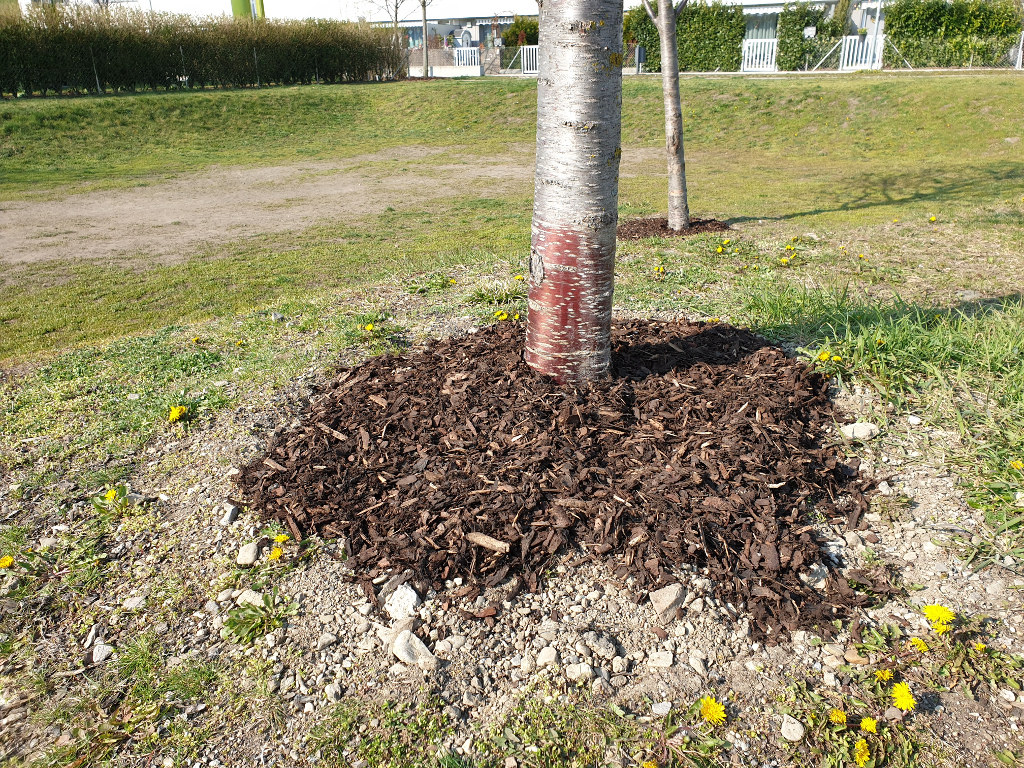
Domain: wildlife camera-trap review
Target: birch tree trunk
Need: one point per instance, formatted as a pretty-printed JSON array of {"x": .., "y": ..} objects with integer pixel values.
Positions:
[
  {"x": 575, "y": 211},
  {"x": 665, "y": 21},
  {"x": 426, "y": 68}
]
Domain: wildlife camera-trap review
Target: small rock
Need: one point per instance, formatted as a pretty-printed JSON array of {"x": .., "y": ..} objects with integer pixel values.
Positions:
[
  {"x": 601, "y": 687},
  {"x": 862, "y": 430},
  {"x": 333, "y": 692},
  {"x": 91, "y": 637},
  {"x": 816, "y": 576},
  {"x": 249, "y": 597},
  {"x": 1007, "y": 695},
  {"x": 914, "y": 421},
  {"x": 885, "y": 489},
  {"x": 133, "y": 603},
  {"x": 547, "y": 657},
  {"x": 247, "y": 554},
  {"x": 277, "y": 317},
  {"x": 699, "y": 666},
  {"x": 854, "y": 541},
  {"x": 697, "y": 606},
  {"x": 660, "y": 659},
  {"x": 454, "y": 713},
  {"x": 666, "y": 600},
  {"x": 230, "y": 515},
  {"x": 527, "y": 665},
  {"x": 48, "y": 542},
  {"x": 581, "y": 671},
  {"x": 411, "y": 650},
  {"x": 662, "y": 708},
  {"x": 792, "y": 729},
  {"x": 893, "y": 714},
  {"x": 403, "y": 603},
  {"x": 457, "y": 641},
  {"x": 101, "y": 652},
  {"x": 326, "y": 640},
  {"x": 470, "y": 699}
]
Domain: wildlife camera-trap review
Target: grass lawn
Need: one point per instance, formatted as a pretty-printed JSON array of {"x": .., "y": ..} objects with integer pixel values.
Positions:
[{"x": 878, "y": 227}]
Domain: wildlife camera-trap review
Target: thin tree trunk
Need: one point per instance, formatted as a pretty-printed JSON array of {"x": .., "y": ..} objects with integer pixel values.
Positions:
[
  {"x": 426, "y": 67},
  {"x": 572, "y": 256},
  {"x": 665, "y": 21}
]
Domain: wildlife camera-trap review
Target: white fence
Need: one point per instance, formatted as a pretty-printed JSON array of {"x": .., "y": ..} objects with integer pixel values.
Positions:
[
  {"x": 466, "y": 57},
  {"x": 529, "y": 54},
  {"x": 861, "y": 52},
  {"x": 760, "y": 55}
]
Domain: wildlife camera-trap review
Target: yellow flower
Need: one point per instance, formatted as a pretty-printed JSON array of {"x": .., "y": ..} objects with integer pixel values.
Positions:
[
  {"x": 519, "y": 277},
  {"x": 726, "y": 241},
  {"x": 869, "y": 725},
  {"x": 1018, "y": 465},
  {"x": 239, "y": 343},
  {"x": 902, "y": 698},
  {"x": 836, "y": 359},
  {"x": 824, "y": 355},
  {"x": 861, "y": 753},
  {"x": 938, "y": 613},
  {"x": 861, "y": 256},
  {"x": 918, "y": 644},
  {"x": 451, "y": 281},
  {"x": 6, "y": 561},
  {"x": 895, "y": 221},
  {"x": 720, "y": 249},
  {"x": 712, "y": 711},
  {"x": 195, "y": 340},
  {"x": 515, "y": 316},
  {"x": 879, "y": 342},
  {"x": 369, "y": 326},
  {"x": 980, "y": 647},
  {"x": 883, "y": 675},
  {"x": 931, "y": 218},
  {"x": 783, "y": 261},
  {"x": 940, "y": 628},
  {"x": 650, "y": 764},
  {"x": 112, "y": 493},
  {"x": 281, "y": 538},
  {"x": 837, "y": 716},
  {"x": 275, "y": 553},
  {"x": 176, "y": 413}
]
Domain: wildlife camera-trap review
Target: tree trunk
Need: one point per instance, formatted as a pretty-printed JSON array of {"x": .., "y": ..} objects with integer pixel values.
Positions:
[
  {"x": 575, "y": 211},
  {"x": 678, "y": 209},
  {"x": 426, "y": 67}
]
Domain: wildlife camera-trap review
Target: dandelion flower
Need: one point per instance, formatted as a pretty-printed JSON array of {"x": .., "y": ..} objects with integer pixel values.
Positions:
[
  {"x": 918, "y": 644},
  {"x": 649, "y": 764},
  {"x": 837, "y": 359},
  {"x": 938, "y": 614},
  {"x": 940, "y": 628},
  {"x": 712, "y": 711},
  {"x": 879, "y": 341},
  {"x": 176, "y": 413},
  {"x": 883, "y": 675},
  {"x": 861, "y": 753},
  {"x": 902, "y": 698},
  {"x": 824, "y": 355},
  {"x": 720, "y": 249},
  {"x": 369, "y": 326},
  {"x": 112, "y": 493},
  {"x": 6, "y": 561},
  {"x": 515, "y": 316},
  {"x": 195, "y": 340},
  {"x": 783, "y": 261},
  {"x": 275, "y": 553},
  {"x": 1018, "y": 465},
  {"x": 726, "y": 241},
  {"x": 837, "y": 716},
  {"x": 869, "y": 725},
  {"x": 519, "y": 277},
  {"x": 281, "y": 538},
  {"x": 861, "y": 256},
  {"x": 451, "y": 281},
  {"x": 932, "y": 218},
  {"x": 980, "y": 647}
]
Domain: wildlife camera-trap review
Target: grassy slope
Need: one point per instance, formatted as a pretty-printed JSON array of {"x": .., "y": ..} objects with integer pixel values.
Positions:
[{"x": 825, "y": 153}]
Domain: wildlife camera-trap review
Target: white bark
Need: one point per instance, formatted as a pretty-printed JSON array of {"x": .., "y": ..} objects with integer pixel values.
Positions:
[
  {"x": 665, "y": 21},
  {"x": 426, "y": 67},
  {"x": 579, "y": 101}
]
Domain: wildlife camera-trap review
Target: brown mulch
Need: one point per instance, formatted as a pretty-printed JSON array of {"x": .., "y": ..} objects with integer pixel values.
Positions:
[
  {"x": 708, "y": 446},
  {"x": 638, "y": 229}
]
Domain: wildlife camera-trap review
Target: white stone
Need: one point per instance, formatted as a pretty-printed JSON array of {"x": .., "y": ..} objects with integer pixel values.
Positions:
[
  {"x": 547, "y": 657},
  {"x": 666, "y": 600},
  {"x": 247, "y": 554},
  {"x": 402, "y": 603},
  {"x": 411, "y": 650},
  {"x": 134, "y": 603},
  {"x": 326, "y": 640},
  {"x": 914, "y": 421},
  {"x": 333, "y": 692},
  {"x": 792, "y": 729},
  {"x": 660, "y": 659},
  {"x": 457, "y": 641},
  {"x": 698, "y": 665},
  {"x": 580, "y": 671},
  {"x": 862, "y": 430},
  {"x": 527, "y": 665},
  {"x": 249, "y": 597},
  {"x": 230, "y": 515},
  {"x": 662, "y": 708},
  {"x": 101, "y": 652}
]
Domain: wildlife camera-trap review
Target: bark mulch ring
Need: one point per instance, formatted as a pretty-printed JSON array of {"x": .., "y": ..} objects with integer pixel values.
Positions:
[
  {"x": 638, "y": 229},
  {"x": 708, "y": 446}
]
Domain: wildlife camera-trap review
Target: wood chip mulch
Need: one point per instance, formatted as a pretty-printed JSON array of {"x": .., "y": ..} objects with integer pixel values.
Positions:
[
  {"x": 708, "y": 446},
  {"x": 638, "y": 229}
]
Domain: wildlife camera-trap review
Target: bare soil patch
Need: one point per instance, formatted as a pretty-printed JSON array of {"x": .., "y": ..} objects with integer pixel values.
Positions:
[
  {"x": 638, "y": 229},
  {"x": 707, "y": 448}
]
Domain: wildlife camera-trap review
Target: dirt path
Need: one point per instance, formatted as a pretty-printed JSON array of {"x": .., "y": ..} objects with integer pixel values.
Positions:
[{"x": 169, "y": 221}]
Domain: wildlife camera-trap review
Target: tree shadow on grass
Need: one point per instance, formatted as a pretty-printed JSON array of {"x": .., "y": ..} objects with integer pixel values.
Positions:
[{"x": 871, "y": 190}]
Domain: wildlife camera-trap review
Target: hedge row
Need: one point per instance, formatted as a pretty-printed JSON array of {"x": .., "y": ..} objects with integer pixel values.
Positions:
[
  {"x": 928, "y": 33},
  {"x": 960, "y": 33},
  {"x": 710, "y": 38},
  {"x": 55, "y": 49}
]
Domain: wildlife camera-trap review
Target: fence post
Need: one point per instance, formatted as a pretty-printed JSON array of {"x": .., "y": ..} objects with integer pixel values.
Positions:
[
  {"x": 1020, "y": 52},
  {"x": 99, "y": 89},
  {"x": 257, "y": 63}
]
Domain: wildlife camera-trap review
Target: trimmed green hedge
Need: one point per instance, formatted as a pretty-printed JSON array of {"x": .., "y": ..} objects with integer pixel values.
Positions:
[
  {"x": 960, "y": 33},
  {"x": 795, "y": 51},
  {"x": 56, "y": 49},
  {"x": 710, "y": 38}
]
